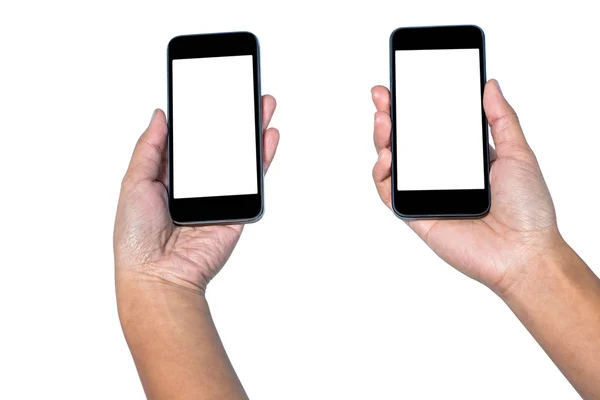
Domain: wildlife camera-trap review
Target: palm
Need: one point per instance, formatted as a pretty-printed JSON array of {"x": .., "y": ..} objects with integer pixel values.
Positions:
[
  {"x": 521, "y": 223},
  {"x": 485, "y": 249},
  {"x": 145, "y": 237},
  {"x": 185, "y": 255}
]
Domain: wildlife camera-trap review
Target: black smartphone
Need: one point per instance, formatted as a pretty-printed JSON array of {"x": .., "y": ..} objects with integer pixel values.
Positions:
[
  {"x": 439, "y": 138},
  {"x": 215, "y": 129}
]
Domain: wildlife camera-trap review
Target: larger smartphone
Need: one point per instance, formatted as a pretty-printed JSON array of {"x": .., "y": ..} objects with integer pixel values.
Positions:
[
  {"x": 439, "y": 138},
  {"x": 215, "y": 129}
]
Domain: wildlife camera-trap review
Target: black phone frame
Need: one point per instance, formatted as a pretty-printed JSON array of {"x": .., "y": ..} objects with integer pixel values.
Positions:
[
  {"x": 435, "y": 204},
  {"x": 217, "y": 209}
]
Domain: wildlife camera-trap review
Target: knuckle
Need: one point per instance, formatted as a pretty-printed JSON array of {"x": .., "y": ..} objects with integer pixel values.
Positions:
[
  {"x": 507, "y": 121},
  {"x": 128, "y": 183}
]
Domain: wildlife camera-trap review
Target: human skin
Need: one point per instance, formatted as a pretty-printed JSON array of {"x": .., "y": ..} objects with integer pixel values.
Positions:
[
  {"x": 162, "y": 270},
  {"x": 161, "y": 274},
  {"x": 516, "y": 250}
]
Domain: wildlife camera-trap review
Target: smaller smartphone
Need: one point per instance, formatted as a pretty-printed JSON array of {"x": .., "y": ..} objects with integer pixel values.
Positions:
[
  {"x": 439, "y": 138},
  {"x": 215, "y": 129}
]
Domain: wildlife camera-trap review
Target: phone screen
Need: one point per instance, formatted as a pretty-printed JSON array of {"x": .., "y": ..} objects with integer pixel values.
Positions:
[
  {"x": 214, "y": 135},
  {"x": 438, "y": 120}
]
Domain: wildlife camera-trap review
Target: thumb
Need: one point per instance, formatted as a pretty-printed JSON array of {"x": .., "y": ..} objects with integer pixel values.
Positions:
[
  {"x": 506, "y": 130},
  {"x": 148, "y": 153}
]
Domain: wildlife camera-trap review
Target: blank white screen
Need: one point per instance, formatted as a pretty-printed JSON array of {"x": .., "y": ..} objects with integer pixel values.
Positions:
[
  {"x": 439, "y": 142},
  {"x": 214, "y": 147}
]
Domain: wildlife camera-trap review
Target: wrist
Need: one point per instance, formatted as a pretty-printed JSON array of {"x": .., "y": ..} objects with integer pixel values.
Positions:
[
  {"x": 161, "y": 272},
  {"x": 142, "y": 299},
  {"x": 540, "y": 274}
]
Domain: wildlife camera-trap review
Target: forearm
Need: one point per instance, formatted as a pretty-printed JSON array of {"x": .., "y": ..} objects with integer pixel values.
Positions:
[
  {"x": 559, "y": 303},
  {"x": 174, "y": 343}
]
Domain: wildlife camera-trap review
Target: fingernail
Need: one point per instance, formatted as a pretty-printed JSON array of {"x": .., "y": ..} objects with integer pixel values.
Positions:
[
  {"x": 498, "y": 86},
  {"x": 152, "y": 119}
]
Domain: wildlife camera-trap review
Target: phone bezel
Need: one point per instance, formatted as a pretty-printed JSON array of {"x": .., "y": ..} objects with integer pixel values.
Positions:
[
  {"x": 459, "y": 203},
  {"x": 217, "y": 209}
]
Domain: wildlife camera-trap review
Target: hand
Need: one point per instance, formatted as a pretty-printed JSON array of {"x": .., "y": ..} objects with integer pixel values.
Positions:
[
  {"x": 147, "y": 245},
  {"x": 520, "y": 229}
]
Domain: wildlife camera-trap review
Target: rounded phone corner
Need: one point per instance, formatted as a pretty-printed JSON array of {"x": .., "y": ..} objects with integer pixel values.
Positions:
[
  {"x": 253, "y": 36},
  {"x": 178, "y": 223},
  {"x": 394, "y": 32},
  {"x": 174, "y": 39},
  {"x": 485, "y": 212},
  {"x": 174, "y": 217},
  {"x": 258, "y": 216},
  {"x": 404, "y": 217},
  {"x": 478, "y": 28},
  {"x": 399, "y": 214}
]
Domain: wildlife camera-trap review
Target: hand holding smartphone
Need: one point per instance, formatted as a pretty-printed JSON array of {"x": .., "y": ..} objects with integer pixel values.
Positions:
[
  {"x": 215, "y": 129},
  {"x": 440, "y": 160}
]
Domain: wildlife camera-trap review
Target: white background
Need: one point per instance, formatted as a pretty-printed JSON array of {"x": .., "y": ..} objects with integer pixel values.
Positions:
[
  {"x": 329, "y": 296},
  {"x": 214, "y": 132},
  {"x": 438, "y": 120}
]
